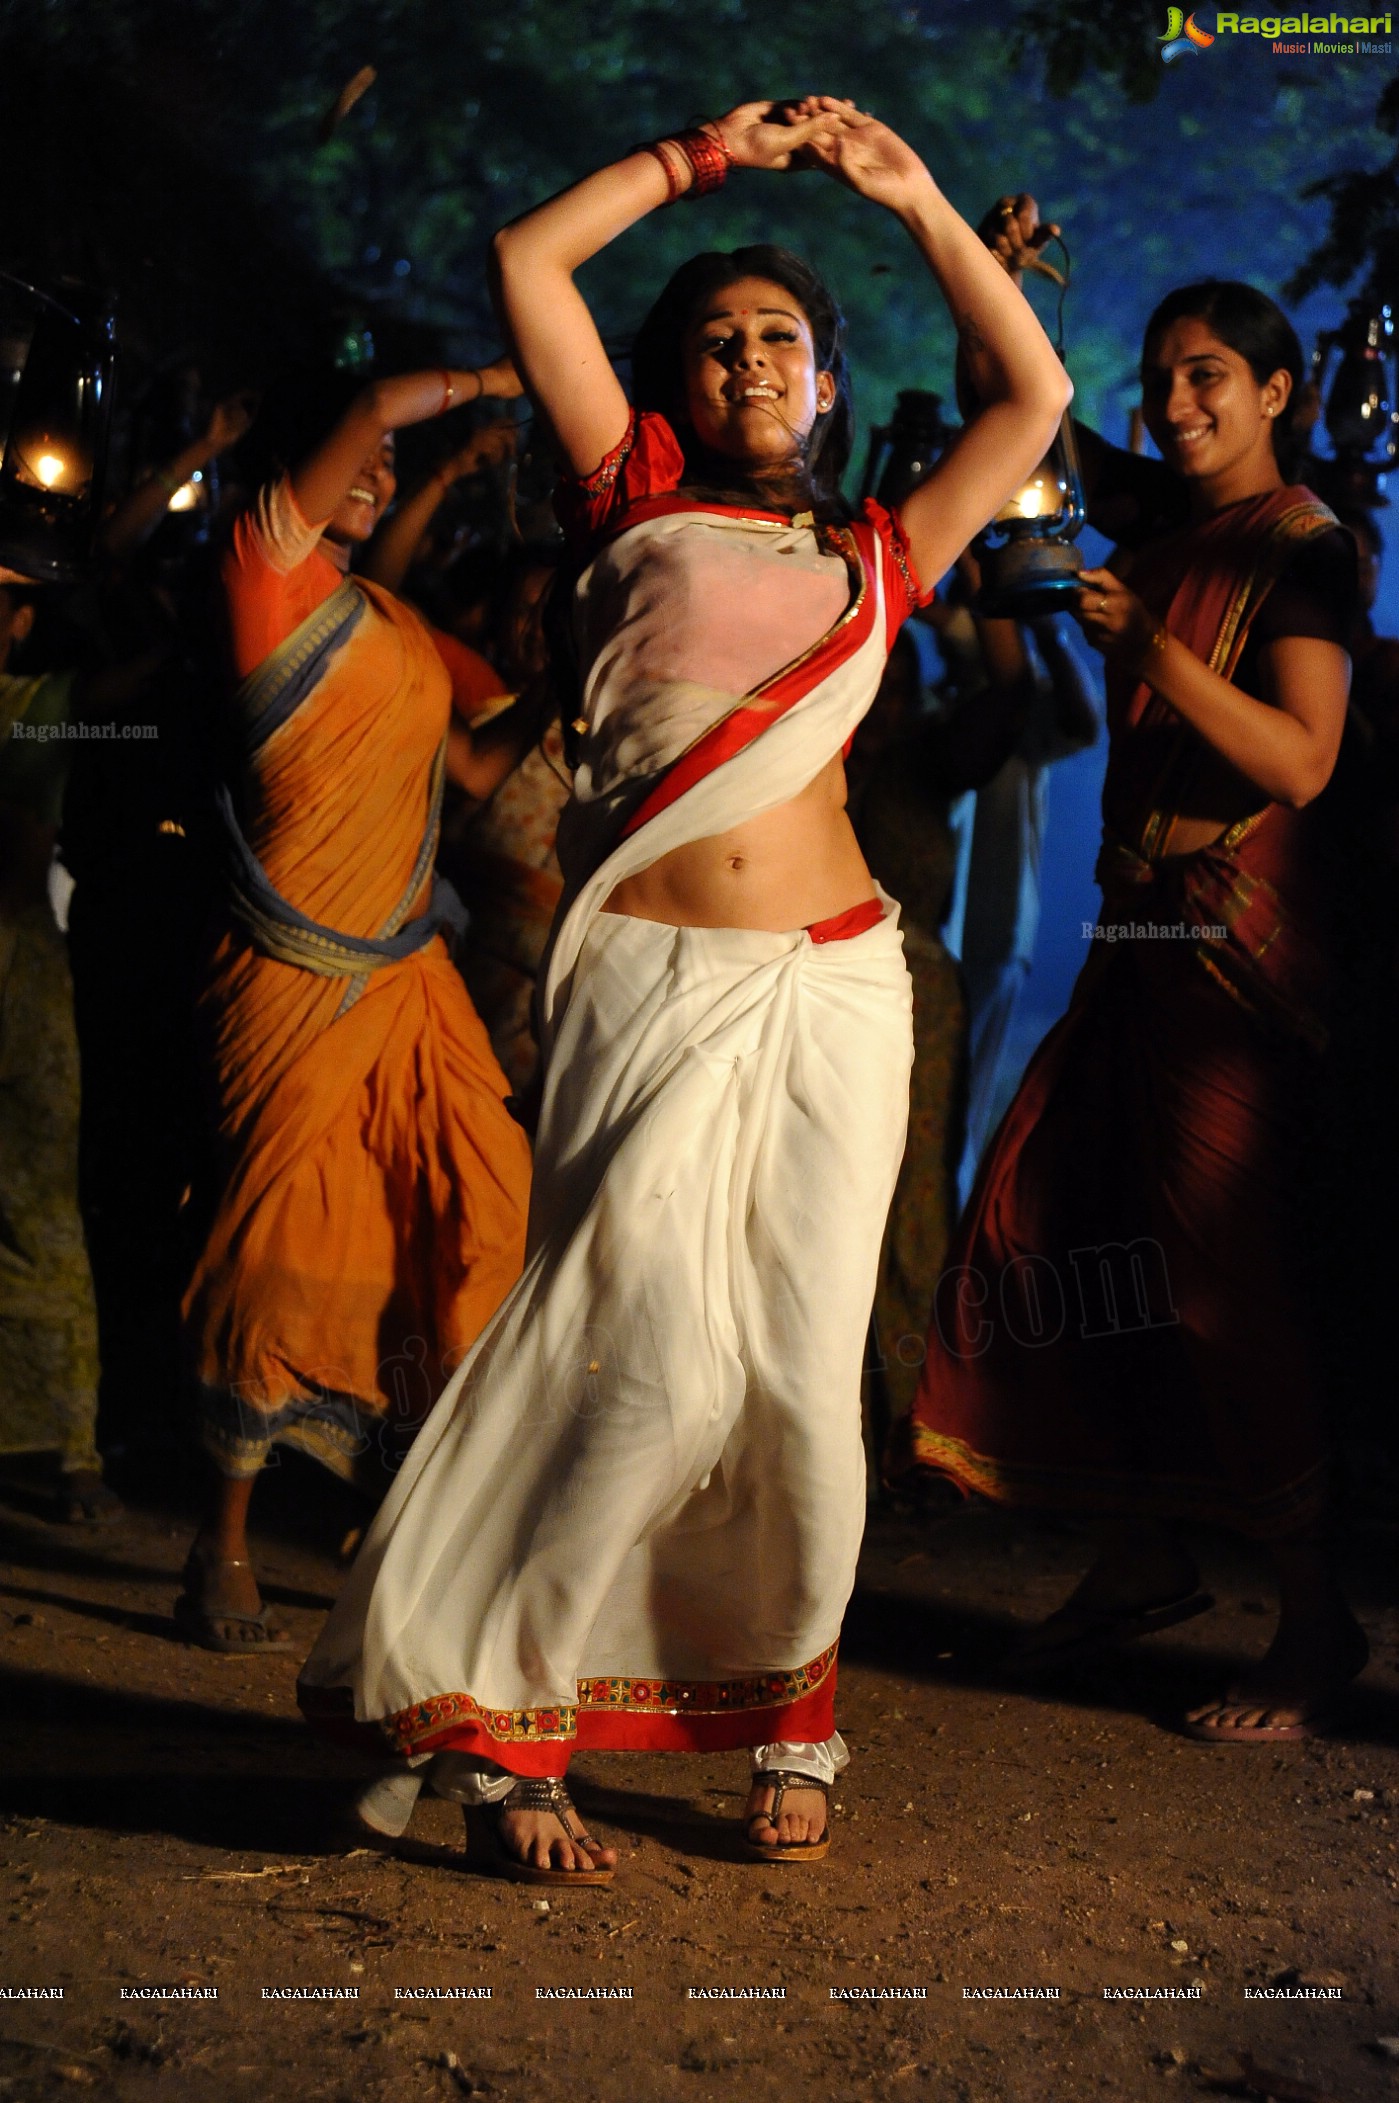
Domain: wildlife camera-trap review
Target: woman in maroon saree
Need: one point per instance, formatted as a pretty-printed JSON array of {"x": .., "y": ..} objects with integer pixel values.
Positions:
[{"x": 1122, "y": 1331}]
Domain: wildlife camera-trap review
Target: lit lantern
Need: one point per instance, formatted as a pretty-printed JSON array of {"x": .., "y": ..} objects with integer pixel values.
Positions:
[
  {"x": 192, "y": 495},
  {"x": 1359, "y": 403},
  {"x": 55, "y": 448},
  {"x": 1029, "y": 565}
]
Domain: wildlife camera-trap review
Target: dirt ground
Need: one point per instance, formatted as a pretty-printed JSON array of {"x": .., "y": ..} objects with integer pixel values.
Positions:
[{"x": 170, "y": 1823}]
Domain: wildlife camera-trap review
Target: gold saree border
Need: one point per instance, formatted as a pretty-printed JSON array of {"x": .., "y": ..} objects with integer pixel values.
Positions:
[
  {"x": 616, "y": 1694},
  {"x": 1027, "y": 1487}
]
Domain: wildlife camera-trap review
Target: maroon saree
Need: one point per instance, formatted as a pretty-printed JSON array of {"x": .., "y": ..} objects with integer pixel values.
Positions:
[{"x": 1122, "y": 1324}]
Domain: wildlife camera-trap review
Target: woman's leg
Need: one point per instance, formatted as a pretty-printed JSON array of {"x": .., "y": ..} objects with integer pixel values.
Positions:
[
  {"x": 539, "y": 1839},
  {"x": 804, "y": 1814},
  {"x": 1142, "y": 1569},
  {"x": 1317, "y": 1649},
  {"x": 221, "y": 1606}
]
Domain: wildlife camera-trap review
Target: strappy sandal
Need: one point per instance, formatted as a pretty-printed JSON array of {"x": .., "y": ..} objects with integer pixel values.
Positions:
[
  {"x": 780, "y": 1780},
  {"x": 532, "y": 1793}
]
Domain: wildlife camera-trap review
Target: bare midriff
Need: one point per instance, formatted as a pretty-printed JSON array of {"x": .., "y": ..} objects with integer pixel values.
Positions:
[{"x": 786, "y": 868}]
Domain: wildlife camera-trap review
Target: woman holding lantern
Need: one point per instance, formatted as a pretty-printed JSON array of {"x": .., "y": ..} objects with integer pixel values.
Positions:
[
  {"x": 1122, "y": 1329},
  {"x": 633, "y": 1521}
]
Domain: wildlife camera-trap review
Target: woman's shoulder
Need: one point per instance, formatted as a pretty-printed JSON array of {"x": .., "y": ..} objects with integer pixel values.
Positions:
[
  {"x": 647, "y": 461},
  {"x": 1315, "y": 593}
]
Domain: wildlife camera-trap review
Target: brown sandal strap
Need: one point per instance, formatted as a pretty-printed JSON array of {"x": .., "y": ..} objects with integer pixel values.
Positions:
[
  {"x": 780, "y": 1780},
  {"x": 547, "y": 1792}
]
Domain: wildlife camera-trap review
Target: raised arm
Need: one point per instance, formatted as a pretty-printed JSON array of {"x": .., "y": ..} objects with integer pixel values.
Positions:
[
  {"x": 1020, "y": 383},
  {"x": 138, "y": 515},
  {"x": 323, "y": 480},
  {"x": 551, "y": 332},
  {"x": 389, "y": 556}
]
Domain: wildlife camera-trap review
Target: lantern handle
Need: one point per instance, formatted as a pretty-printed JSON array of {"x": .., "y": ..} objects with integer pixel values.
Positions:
[
  {"x": 47, "y": 298},
  {"x": 1061, "y": 278}
]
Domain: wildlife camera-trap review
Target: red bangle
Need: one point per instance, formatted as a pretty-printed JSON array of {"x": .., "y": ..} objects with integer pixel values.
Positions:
[
  {"x": 449, "y": 392},
  {"x": 672, "y": 177},
  {"x": 709, "y": 155}
]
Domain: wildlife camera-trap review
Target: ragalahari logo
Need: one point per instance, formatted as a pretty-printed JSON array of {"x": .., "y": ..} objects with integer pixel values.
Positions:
[{"x": 1182, "y": 35}]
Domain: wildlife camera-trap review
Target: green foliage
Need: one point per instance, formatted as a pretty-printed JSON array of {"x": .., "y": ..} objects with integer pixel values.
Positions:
[
  {"x": 476, "y": 114},
  {"x": 1071, "y": 39},
  {"x": 1362, "y": 241}
]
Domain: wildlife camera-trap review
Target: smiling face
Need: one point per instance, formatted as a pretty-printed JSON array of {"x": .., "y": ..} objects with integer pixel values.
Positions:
[
  {"x": 368, "y": 497},
  {"x": 753, "y": 389},
  {"x": 1211, "y": 419}
]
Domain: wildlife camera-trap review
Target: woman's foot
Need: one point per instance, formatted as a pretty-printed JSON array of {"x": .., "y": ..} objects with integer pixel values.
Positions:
[
  {"x": 802, "y": 1817},
  {"x": 1294, "y": 1688},
  {"x": 538, "y": 1837},
  {"x": 1141, "y": 1583},
  {"x": 786, "y": 1818},
  {"x": 540, "y": 1840},
  {"x": 221, "y": 1607}
]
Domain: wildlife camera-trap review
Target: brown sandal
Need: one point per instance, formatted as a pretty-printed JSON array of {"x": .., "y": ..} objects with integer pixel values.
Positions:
[
  {"x": 780, "y": 1780},
  {"x": 531, "y": 1793}
]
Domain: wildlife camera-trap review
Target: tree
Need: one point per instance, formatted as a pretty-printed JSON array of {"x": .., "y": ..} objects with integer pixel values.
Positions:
[{"x": 476, "y": 113}]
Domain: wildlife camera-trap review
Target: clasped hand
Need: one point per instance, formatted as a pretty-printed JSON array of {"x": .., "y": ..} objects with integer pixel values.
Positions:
[{"x": 826, "y": 132}]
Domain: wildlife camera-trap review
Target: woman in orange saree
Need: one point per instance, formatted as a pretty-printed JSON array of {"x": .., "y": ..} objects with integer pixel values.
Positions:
[
  {"x": 1122, "y": 1331},
  {"x": 374, "y": 1185}
]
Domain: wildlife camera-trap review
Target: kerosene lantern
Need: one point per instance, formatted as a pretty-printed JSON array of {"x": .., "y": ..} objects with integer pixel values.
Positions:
[
  {"x": 1029, "y": 565},
  {"x": 1358, "y": 402},
  {"x": 55, "y": 447}
]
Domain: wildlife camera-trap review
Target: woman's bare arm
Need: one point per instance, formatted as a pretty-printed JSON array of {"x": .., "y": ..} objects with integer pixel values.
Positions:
[
  {"x": 1285, "y": 745},
  {"x": 479, "y": 760},
  {"x": 1019, "y": 380},
  {"x": 325, "y": 477},
  {"x": 390, "y": 554}
]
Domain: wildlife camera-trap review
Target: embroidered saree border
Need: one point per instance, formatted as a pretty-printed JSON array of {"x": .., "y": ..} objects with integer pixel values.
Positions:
[
  {"x": 1186, "y": 1497},
  {"x": 620, "y": 1696}
]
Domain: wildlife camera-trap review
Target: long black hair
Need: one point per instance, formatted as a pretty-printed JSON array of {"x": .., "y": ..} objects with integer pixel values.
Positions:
[
  {"x": 658, "y": 370},
  {"x": 1244, "y": 319}
]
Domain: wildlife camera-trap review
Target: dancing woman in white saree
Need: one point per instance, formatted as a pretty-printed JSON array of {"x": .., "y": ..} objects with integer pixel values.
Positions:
[{"x": 633, "y": 1517}]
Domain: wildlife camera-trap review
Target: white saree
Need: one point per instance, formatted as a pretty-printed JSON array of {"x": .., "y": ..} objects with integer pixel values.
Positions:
[{"x": 633, "y": 1517}]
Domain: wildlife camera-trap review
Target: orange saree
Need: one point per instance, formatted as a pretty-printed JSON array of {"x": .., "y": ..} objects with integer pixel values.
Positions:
[
  {"x": 374, "y": 1186},
  {"x": 1123, "y": 1323}
]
